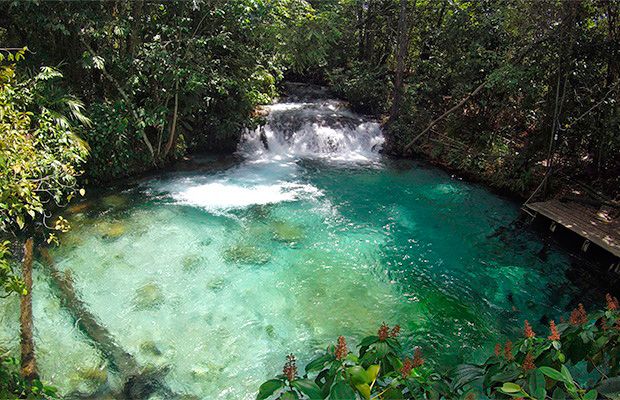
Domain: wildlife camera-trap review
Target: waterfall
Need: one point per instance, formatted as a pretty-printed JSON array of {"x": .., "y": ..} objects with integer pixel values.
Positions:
[{"x": 300, "y": 127}]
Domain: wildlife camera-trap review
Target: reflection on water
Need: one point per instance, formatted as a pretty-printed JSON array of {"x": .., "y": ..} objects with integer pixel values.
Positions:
[{"x": 212, "y": 278}]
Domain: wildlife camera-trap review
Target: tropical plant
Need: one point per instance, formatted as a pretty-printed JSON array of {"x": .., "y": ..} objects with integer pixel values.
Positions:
[
  {"x": 530, "y": 368},
  {"x": 14, "y": 386},
  {"x": 40, "y": 154}
]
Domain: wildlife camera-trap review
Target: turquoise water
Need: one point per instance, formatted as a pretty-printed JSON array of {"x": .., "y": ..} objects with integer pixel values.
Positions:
[{"x": 217, "y": 275}]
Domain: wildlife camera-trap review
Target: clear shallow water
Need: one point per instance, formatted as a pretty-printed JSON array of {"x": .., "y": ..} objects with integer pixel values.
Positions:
[{"x": 219, "y": 275}]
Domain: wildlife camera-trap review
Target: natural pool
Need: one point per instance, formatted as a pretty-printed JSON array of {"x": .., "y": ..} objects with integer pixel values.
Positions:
[{"x": 213, "y": 277}]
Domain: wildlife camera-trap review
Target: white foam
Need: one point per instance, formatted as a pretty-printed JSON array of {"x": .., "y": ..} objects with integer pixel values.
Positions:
[
  {"x": 314, "y": 130},
  {"x": 221, "y": 196}
]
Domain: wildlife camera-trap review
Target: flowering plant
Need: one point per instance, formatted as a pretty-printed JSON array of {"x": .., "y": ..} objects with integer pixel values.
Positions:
[{"x": 533, "y": 367}]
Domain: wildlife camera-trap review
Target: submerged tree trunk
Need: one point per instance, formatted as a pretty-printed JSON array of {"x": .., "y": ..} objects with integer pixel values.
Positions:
[
  {"x": 139, "y": 382},
  {"x": 28, "y": 360}
]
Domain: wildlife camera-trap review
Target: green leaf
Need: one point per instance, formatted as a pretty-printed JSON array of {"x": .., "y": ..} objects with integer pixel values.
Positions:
[
  {"x": 318, "y": 363},
  {"x": 466, "y": 373},
  {"x": 373, "y": 372},
  {"x": 510, "y": 387},
  {"x": 558, "y": 394},
  {"x": 289, "y": 396},
  {"x": 591, "y": 395},
  {"x": 358, "y": 375},
  {"x": 552, "y": 373},
  {"x": 364, "y": 390},
  {"x": 367, "y": 341},
  {"x": 568, "y": 378},
  {"x": 341, "y": 391},
  {"x": 537, "y": 384},
  {"x": 269, "y": 388},
  {"x": 393, "y": 394},
  {"x": 20, "y": 222},
  {"x": 308, "y": 387},
  {"x": 610, "y": 388},
  {"x": 382, "y": 349}
]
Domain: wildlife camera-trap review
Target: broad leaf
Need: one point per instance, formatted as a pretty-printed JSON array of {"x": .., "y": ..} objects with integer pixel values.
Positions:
[
  {"x": 510, "y": 387},
  {"x": 373, "y": 372},
  {"x": 367, "y": 341},
  {"x": 610, "y": 388},
  {"x": 269, "y": 388},
  {"x": 341, "y": 391},
  {"x": 364, "y": 390},
  {"x": 308, "y": 387},
  {"x": 318, "y": 363},
  {"x": 358, "y": 375},
  {"x": 552, "y": 373}
]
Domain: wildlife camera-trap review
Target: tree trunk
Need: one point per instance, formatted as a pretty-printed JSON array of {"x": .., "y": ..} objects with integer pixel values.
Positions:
[
  {"x": 360, "y": 26},
  {"x": 134, "y": 34},
  {"x": 401, "y": 58},
  {"x": 442, "y": 116},
  {"x": 175, "y": 115},
  {"x": 128, "y": 102},
  {"x": 28, "y": 361}
]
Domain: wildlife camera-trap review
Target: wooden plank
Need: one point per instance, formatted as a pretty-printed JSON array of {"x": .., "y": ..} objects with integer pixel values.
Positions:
[{"x": 583, "y": 221}]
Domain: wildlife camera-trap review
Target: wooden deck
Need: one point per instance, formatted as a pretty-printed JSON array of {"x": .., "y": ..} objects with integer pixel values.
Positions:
[{"x": 583, "y": 221}]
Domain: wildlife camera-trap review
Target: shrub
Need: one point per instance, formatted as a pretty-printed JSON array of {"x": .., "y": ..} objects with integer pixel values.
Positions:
[
  {"x": 533, "y": 367},
  {"x": 364, "y": 86}
]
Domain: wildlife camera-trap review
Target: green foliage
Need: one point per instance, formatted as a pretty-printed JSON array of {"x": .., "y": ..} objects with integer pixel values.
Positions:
[
  {"x": 9, "y": 279},
  {"x": 13, "y": 386},
  {"x": 40, "y": 154},
  {"x": 159, "y": 78},
  {"x": 534, "y": 367},
  {"x": 365, "y": 87},
  {"x": 524, "y": 51}
]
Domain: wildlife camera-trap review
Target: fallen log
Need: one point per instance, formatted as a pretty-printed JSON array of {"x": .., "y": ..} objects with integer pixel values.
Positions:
[{"x": 140, "y": 382}]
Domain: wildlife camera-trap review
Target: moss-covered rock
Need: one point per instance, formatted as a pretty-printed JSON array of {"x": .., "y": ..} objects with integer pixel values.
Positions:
[
  {"x": 149, "y": 347},
  {"x": 97, "y": 376},
  {"x": 148, "y": 297},
  {"x": 79, "y": 207},
  {"x": 111, "y": 230},
  {"x": 216, "y": 284},
  {"x": 286, "y": 232},
  {"x": 114, "y": 201},
  {"x": 192, "y": 262},
  {"x": 246, "y": 254}
]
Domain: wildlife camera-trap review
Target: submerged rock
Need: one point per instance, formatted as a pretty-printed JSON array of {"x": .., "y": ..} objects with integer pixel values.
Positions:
[
  {"x": 286, "y": 232},
  {"x": 246, "y": 254},
  {"x": 208, "y": 372},
  {"x": 148, "y": 297},
  {"x": 89, "y": 380},
  {"x": 111, "y": 230},
  {"x": 79, "y": 207},
  {"x": 114, "y": 201},
  {"x": 216, "y": 284},
  {"x": 270, "y": 331},
  {"x": 260, "y": 211},
  {"x": 192, "y": 262},
  {"x": 205, "y": 242},
  {"x": 149, "y": 347},
  {"x": 97, "y": 376}
]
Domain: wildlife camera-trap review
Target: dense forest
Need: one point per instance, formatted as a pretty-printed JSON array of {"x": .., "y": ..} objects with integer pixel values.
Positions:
[
  {"x": 520, "y": 95},
  {"x": 505, "y": 91}
]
